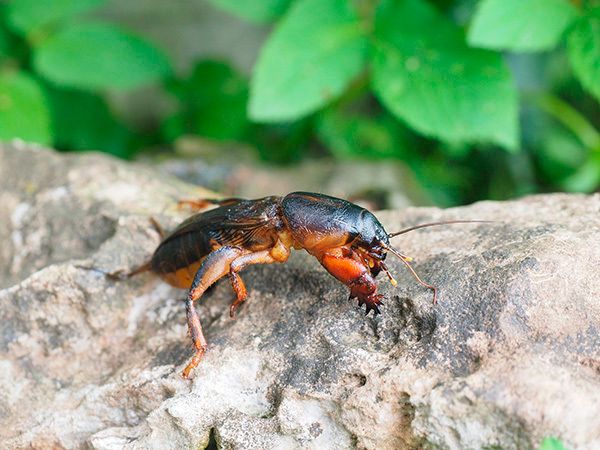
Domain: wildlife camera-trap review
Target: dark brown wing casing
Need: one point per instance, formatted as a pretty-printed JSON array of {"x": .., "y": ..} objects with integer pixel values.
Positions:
[{"x": 248, "y": 224}]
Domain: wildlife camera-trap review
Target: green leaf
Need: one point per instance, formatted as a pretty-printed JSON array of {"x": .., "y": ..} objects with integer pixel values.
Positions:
[
  {"x": 559, "y": 154},
  {"x": 253, "y": 10},
  {"x": 282, "y": 143},
  {"x": 13, "y": 51},
  {"x": 23, "y": 109},
  {"x": 83, "y": 121},
  {"x": 437, "y": 84},
  {"x": 584, "y": 51},
  {"x": 25, "y": 16},
  {"x": 174, "y": 126},
  {"x": 99, "y": 56},
  {"x": 551, "y": 443},
  {"x": 586, "y": 179},
  {"x": 4, "y": 43},
  {"x": 316, "y": 50},
  {"x": 520, "y": 25},
  {"x": 214, "y": 101},
  {"x": 354, "y": 135}
]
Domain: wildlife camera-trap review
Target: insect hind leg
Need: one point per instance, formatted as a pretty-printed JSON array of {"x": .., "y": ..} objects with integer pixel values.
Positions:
[
  {"x": 215, "y": 266},
  {"x": 198, "y": 339}
]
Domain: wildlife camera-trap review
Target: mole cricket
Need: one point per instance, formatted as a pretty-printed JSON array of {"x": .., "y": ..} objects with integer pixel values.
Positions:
[{"x": 348, "y": 241}]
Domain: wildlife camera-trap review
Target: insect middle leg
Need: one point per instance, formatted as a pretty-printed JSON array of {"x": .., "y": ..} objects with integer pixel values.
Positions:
[{"x": 279, "y": 253}]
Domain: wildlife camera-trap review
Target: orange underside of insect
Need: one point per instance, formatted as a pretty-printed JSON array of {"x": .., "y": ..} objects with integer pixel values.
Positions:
[{"x": 346, "y": 239}]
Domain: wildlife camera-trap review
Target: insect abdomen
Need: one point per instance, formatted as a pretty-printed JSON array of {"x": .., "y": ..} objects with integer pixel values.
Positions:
[
  {"x": 176, "y": 260},
  {"x": 248, "y": 224}
]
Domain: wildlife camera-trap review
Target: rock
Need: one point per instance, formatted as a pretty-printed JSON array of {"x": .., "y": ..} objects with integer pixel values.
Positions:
[{"x": 509, "y": 355}]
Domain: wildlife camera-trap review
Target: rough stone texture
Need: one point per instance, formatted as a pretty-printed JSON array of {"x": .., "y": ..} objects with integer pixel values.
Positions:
[{"x": 511, "y": 353}]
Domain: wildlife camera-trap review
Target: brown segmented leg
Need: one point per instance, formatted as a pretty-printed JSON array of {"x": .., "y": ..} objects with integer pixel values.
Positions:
[
  {"x": 197, "y": 335},
  {"x": 158, "y": 227},
  {"x": 215, "y": 266},
  {"x": 279, "y": 253},
  {"x": 240, "y": 292}
]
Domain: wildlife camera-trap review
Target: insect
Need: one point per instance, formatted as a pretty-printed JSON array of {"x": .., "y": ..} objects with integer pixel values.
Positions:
[{"x": 348, "y": 241}]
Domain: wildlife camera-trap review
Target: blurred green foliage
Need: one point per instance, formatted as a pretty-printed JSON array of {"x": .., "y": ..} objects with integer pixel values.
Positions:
[
  {"x": 55, "y": 66},
  {"x": 481, "y": 99},
  {"x": 551, "y": 443}
]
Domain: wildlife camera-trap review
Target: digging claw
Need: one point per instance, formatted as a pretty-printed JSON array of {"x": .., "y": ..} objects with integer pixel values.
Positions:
[
  {"x": 373, "y": 308},
  {"x": 372, "y": 304}
]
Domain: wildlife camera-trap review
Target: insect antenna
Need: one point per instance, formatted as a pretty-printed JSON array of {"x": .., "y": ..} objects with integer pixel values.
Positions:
[
  {"x": 434, "y": 224},
  {"x": 407, "y": 259}
]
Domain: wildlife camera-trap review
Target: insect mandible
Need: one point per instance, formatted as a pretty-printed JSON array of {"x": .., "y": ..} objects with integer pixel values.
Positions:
[{"x": 348, "y": 241}]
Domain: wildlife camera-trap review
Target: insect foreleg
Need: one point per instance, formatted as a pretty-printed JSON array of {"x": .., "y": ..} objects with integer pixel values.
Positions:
[{"x": 348, "y": 267}]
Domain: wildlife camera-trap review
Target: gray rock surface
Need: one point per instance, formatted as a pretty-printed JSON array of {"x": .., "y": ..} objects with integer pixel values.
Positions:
[{"x": 510, "y": 354}]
